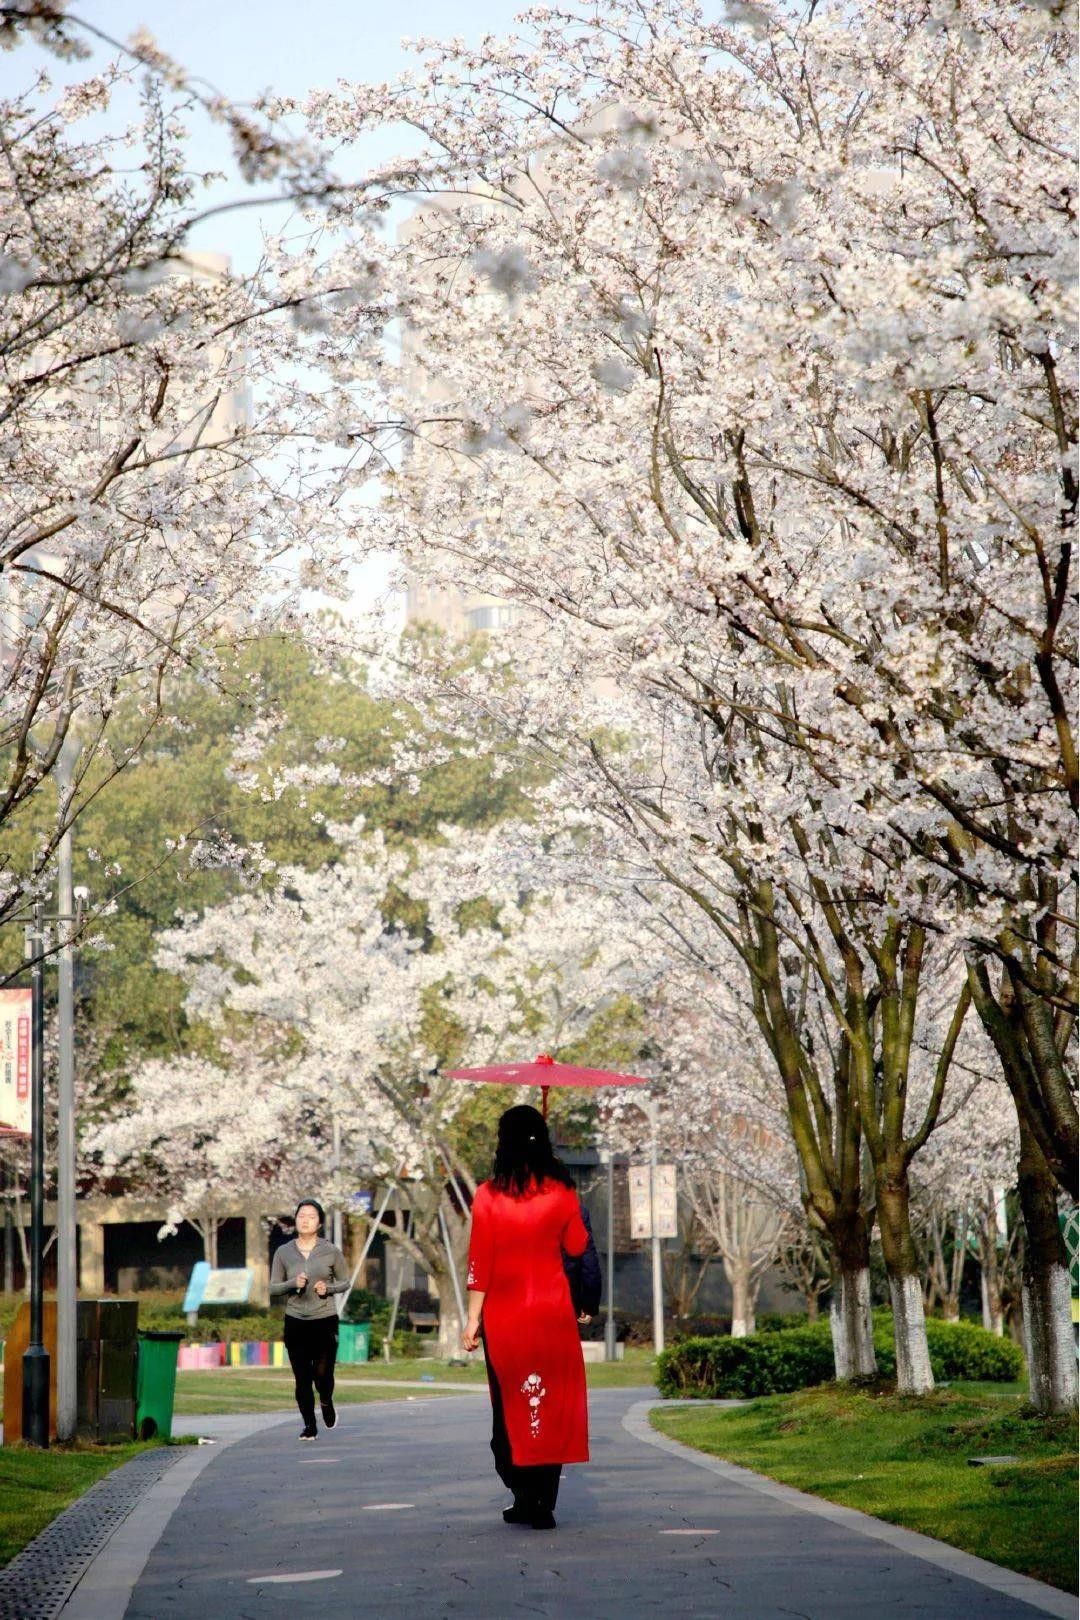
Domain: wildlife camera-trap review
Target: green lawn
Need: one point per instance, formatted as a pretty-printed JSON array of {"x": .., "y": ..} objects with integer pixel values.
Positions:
[
  {"x": 268, "y": 1390},
  {"x": 36, "y": 1485},
  {"x": 257, "y": 1389},
  {"x": 906, "y": 1460}
]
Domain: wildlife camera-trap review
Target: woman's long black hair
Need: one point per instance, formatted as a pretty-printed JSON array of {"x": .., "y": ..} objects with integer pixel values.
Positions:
[{"x": 524, "y": 1152}]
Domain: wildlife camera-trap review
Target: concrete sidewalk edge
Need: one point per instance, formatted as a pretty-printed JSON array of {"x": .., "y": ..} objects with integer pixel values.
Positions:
[
  {"x": 104, "y": 1590},
  {"x": 1047, "y": 1599}
]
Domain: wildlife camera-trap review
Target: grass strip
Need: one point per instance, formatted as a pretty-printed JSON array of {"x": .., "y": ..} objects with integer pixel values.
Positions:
[
  {"x": 905, "y": 1459},
  {"x": 258, "y": 1391},
  {"x": 37, "y": 1485}
]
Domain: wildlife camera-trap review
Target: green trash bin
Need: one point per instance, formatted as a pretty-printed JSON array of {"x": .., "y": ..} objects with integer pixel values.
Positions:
[
  {"x": 354, "y": 1342},
  {"x": 155, "y": 1386}
]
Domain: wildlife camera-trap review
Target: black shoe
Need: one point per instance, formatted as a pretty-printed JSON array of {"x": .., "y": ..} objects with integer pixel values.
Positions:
[
  {"x": 542, "y": 1521},
  {"x": 329, "y": 1415},
  {"x": 520, "y": 1513},
  {"x": 310, "y": 1432}
]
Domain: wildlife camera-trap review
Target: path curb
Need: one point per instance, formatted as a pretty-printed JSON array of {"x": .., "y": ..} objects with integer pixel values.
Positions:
[{"x": 1047, "y": 1599}]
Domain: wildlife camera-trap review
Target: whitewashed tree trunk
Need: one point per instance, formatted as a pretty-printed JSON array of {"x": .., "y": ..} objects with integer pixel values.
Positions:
[
  {"x": 744, "y": 1292},
  {"x": 450, "y": 1324},
  {"x": 1048, "y": 1340},
  {"x": 852, "y": 1325},
  {"x": 914, "y": 1375},
  {"x": 1046, "y": 1291}
]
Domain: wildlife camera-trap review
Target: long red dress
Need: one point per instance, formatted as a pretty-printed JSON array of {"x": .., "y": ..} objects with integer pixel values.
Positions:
[{"x": 530, "y": 1330}]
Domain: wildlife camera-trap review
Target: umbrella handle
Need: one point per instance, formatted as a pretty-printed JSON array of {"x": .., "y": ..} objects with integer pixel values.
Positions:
[{"x": 544, "y": 1100}]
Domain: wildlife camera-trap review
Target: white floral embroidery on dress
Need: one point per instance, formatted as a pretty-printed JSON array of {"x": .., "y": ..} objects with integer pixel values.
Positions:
[
  {"x": 470, "y": 1281},
  {"x": 534, "y": 1392}
]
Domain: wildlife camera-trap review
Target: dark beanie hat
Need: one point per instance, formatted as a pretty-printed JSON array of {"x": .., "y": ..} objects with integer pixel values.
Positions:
[{"x": 313, "y": 1203}]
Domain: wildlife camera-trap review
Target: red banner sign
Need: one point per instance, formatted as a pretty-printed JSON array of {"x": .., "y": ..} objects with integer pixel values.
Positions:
[{"x": 15, "y": 1062}]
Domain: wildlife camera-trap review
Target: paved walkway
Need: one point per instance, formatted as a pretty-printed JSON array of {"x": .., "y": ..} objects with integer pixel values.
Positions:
[{"x": 396, "y": 1516}]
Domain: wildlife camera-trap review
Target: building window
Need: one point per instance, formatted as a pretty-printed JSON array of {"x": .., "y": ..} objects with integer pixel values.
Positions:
[{"x": 490, "y": 618}]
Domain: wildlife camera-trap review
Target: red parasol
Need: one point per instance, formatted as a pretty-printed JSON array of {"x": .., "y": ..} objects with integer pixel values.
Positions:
[{"x": 545, "y": 1073}]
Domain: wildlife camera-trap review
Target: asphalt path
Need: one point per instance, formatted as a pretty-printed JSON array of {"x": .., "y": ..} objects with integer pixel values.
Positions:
[{"x": 397, "y": 1513}]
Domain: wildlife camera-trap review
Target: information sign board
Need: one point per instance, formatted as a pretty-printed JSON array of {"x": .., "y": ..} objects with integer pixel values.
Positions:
[
  {"x": 663, "y": 1200},
  {"x": 230, "y": 1285}
]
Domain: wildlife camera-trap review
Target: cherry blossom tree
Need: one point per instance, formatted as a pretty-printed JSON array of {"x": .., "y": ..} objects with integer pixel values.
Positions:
[
  {"x": 184, "y": 1135},
  {"x": 752, "y": 342},
  {"x": 160, "y": 504},
  {"x": 360, "y": 980}
]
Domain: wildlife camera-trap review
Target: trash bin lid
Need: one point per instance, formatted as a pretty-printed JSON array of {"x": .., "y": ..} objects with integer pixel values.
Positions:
[{"x": 149, "y": 1333}]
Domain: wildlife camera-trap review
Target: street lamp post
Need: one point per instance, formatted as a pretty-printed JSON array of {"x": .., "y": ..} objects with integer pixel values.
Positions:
[
  {"x": 35, "y": 1367},
  {"x": 607, "y": 1156},
  {"x": 657, "y": 1261},
  {"x": 66, "y": 1229}
]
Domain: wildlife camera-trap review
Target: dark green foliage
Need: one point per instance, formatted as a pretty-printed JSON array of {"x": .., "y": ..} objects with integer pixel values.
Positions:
[
  {"x": 216, "y": 1324},
  {"x": 965, "y": 1350},
  {"x": 362, "y": 1305},
  {"x": 780, "y": 1321},
  {"x": 762, "y": 1364},
  {"x": 700, "y": 1327},
  {"x": 775, "y": 1363},
  {"x": 183, "y": 786}
]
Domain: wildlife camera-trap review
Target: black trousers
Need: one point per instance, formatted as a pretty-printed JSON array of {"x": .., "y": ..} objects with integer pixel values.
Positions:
[
  {"x": 536, "y": 1488},
  {"x": 312, "y": 1351}
]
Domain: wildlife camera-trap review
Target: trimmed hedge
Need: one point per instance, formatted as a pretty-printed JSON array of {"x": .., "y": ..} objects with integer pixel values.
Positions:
[
  {"x": 762, "y": 1364},
  {"x": 778, "y": 1363},
  {"x": 966, "y": 1350}
]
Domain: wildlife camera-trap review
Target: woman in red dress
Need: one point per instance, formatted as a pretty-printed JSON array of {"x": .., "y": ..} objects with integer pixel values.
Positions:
[{"x": 523, "y": 1220}]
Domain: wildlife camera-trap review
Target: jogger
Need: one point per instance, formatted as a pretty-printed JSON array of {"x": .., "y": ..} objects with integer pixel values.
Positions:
[{"x": 308, "y": 1272}]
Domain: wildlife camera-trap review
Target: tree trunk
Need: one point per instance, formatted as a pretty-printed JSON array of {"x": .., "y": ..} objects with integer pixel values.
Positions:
[
  {"x": 914, "y": 1375},
  {"x": 1047, "y": 1294},
  {"x": 24, "y": 1246},
  {"x": 852, "y": 1324},
  {"x": 913, "y": 1372},
  {"x": 993, "y": 1311},
  {"x": 743, "y": 1297},
  {"x": 813, "y": 1305},
  {"x": 850, "y": 1317},
  {"x": 451, "y": 1326}
]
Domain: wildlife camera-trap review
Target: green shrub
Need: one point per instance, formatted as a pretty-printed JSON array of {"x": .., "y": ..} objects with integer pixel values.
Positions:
[
  {"x": 762, "y": 1364},
  {"x": 774, "y": 1363},
  {"x": 699, "y": 1327},
  {"x": 594, "y": 1330},
  {"x": 966, "y": 1350},
  {"x": 781, "y": 1321},
  {"x": 363, "y": 1306}
]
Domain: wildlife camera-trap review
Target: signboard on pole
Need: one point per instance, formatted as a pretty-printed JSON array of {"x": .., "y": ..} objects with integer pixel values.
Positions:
[
  {"x": 15, "y": 1118},
  {"x": 230, "y": 1285},
  {"x": 663, "y": 1198}
]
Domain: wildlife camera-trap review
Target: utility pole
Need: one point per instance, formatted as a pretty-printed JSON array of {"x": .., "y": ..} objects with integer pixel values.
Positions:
[
  {"x": 66, "y": 1238},
  {"x": 35, "y": 1366}
]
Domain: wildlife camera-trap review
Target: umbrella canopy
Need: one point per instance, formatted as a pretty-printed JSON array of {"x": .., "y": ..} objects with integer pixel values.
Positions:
[{"x": 544, "y": 1072}]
